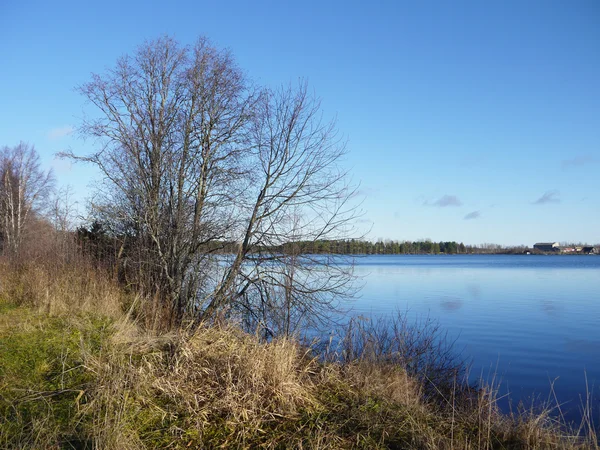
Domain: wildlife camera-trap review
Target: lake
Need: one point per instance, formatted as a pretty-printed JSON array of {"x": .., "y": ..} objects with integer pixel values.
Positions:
[{"x": 533, "y": 320}]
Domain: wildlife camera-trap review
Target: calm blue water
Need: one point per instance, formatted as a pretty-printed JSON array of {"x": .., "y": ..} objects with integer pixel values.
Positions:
[{"x": 530, "y": 319}]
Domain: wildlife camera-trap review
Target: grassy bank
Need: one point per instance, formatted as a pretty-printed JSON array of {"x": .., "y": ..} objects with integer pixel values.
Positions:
[{"x": 77, "y": 372}]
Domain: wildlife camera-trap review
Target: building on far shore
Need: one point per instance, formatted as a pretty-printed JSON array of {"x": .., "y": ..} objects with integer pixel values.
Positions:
[
  {"x": 547, "y": 247},
  {"x": 569, "y": 249}
]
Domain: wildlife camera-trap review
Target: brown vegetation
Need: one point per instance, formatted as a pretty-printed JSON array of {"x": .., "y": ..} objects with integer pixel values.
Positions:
[{"x": 97, "y": 377}]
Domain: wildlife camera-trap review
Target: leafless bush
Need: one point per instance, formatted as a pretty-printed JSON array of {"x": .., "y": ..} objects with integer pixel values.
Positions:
[{"x": 418, "y": 346}]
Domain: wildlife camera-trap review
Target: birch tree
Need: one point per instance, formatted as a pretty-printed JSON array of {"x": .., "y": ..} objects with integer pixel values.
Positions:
[
  {"x": 24, "y": 191},
  {"x": 171, "y": 133}
]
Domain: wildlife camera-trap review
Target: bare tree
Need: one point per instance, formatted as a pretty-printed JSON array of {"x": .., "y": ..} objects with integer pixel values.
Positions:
[
  {"x": 299, "y": 194},
  {"x": 24, "y": 190},
  {"x": 194, "y": 158},
  {"x": 172, "y": 134}
]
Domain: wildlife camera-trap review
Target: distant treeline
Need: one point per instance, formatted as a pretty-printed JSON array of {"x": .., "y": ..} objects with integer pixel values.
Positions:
[
  {"x": 104, "y": 244},
  {"x": 388, "y": 247}
]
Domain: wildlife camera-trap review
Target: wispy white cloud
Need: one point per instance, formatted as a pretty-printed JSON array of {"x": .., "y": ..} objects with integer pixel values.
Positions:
[
  {"x": 548, "y": 197},
  {"x": 445, "y": 200},
  {"x": 473, "y": 215},
  {"x": 59, "y": 132},
  {"x": 365, "y": 192},
  {"x": 578, "y": 161},
  {"x": 61, "y": 166}
]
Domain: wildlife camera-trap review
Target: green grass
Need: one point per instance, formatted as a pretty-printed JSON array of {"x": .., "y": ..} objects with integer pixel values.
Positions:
[{"x": 43, "y": 380}]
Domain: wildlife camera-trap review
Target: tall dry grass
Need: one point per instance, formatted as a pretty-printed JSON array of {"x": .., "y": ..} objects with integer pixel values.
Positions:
[
  {"x": 61, "y": 289},
  {"x": 217, "y": 385},
  {"x": 222, "y": 388},
  {"x": 386, "y": 386},
  {"x": 51, "y": 273}
]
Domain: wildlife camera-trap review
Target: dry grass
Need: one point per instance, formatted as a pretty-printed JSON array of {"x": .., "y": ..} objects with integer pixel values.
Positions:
[
  {"x": 221, "y": 387},
  {"x": 218, "y": 384},
  {"x": 59, "y": 289},
  {"x": 87, "y": 376}
]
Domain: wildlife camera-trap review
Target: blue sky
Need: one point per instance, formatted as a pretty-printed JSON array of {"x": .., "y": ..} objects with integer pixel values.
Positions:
[{"x": 474, "y": 121}]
